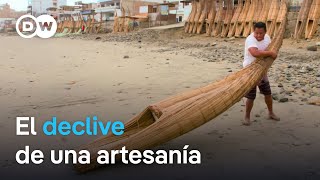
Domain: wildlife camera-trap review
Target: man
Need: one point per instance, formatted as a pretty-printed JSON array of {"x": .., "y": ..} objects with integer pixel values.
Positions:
[{"x": 255, "y": 47}]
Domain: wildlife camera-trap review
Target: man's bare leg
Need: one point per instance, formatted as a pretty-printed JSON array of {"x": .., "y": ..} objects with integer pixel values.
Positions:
[
  {"x": 249, "y": 106},
  {"x": 269, "y": 102}
]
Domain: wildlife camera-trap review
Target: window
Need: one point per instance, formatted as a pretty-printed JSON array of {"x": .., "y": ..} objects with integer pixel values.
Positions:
[{"x": 154, "y": 9}]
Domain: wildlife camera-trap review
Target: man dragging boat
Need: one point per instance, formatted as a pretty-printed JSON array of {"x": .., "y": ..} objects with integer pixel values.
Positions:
[{"x": 255, "y": 47}]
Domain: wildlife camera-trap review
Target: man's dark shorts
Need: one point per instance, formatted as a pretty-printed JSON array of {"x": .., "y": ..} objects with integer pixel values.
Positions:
[{"x": 264, "y": 87}]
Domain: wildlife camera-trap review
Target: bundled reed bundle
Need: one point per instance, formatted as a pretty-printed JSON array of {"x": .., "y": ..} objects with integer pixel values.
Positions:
[
  {"x": 190, "y": 18},
  {"x": 249, "y": 19},
  {"x": 242, "y": 18},
  {"x": 302, "y": 19},
  {"x": 127, "y": 27},
  {"x": 281, "y": 16},
  {"x": 217, "y": 24},
  {"x": 115, "y": 25},
  {"x": 263, "y": 16},
  {"x": 178, "y": 115},
  {"x": 234, "y": 19},
  {"x": 204, "y": 14},
  {"x": 90, "y": 24},
  {"x": 66, "y": 24},
  {"x": 60, "y": 25},
  {"x": 227, "y": 18},
  {"x": 211, "y": 16},
  {"x": 96, "y": 25},
  {"x": 200, "y": 10},
  {"x": 313, "y": 19},
  {"x": 272, "y": 17},
  {"x": 121, "y": 20},
  {"x": 195, "y": 5},
  {"x": 87, "y": 24},
  {"x": 71, "y": 25},
  {"x": 121, "y": 23},
  {"x": 78, "y": 24}
]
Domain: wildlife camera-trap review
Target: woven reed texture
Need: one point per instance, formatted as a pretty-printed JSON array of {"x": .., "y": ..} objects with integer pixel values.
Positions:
[
  {"x": 249, "y": 19},
  {"x": 302, "y": 19},
  {"x": 272, "y": 17},
  {"x": 211, "y": 16},
  {"x": 178, "y": 115},
  {"x": 313, "y": 19},
  {"x": 227, "y": 18},
  {"x": 242, "y": 19},
  {"x": 217, "y": 24},
  {"x": 234, "y": 19}
]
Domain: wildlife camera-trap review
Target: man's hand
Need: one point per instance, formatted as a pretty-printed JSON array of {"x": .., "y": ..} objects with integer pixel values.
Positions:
[{"x": 273, "y": 54}]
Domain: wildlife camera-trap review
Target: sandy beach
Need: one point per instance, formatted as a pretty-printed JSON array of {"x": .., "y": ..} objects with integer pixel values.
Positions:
[{"x": 117, "y": 76}]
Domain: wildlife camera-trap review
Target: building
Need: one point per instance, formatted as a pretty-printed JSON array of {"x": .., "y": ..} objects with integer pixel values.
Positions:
[
  {"x": 7, "y": 12},
  {"x": 38, "y": 7},
  {"x": 107, "y": 8},
  {"x": 183, "y": 9},
  {"x": 8, "y": 18}
]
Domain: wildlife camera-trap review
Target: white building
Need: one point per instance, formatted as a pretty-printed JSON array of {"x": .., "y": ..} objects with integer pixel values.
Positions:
[
  {"x": 39, "y": 7},
  {"x": 107, "y": 8}
]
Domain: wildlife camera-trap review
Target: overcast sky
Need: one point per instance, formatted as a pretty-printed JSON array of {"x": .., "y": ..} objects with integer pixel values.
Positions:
[{"x": 21, "y": 5}]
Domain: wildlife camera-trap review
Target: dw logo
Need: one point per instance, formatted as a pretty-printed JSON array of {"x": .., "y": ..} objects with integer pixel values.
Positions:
[{"x": 46, "y": 26}]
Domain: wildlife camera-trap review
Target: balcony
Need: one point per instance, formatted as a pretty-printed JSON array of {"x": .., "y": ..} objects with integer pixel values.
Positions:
[{"x": 106, "y": 9}]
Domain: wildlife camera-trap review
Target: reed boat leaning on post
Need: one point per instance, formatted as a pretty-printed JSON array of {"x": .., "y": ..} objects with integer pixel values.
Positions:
[
  {"x": 249, "y": 19},
  {"x": 302, "y": 19},
  {"x": 242, "y": 18},
  {"x": 281, "y": 16},
  {"x": 203, "y": 16},
  {"x": 188, "y": 21},
  {"x": 227, "y": 18},
  {"x": 192, "y": 20},
  {"x": 200, "y": 11},
  {"x": 265, "y": 11},
  {"x": 217, "y": 24},
  {"x": 257, "y": 14},
  {"x": 178, "y": 115},
  {"x": 313, "y": 19},
  {"x": 234, "y": 19},
  {"x": 272, "y": 17},
  {"x": 115, "y": 22},
  {"x": 211, "y": 16}
]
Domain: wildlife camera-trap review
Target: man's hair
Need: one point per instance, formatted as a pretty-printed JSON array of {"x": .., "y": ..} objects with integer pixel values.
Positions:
[{"x": 260, "y": 25}]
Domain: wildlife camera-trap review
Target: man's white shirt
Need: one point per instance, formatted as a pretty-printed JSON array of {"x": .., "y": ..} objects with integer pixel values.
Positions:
[{"x": 251, "y": 41}]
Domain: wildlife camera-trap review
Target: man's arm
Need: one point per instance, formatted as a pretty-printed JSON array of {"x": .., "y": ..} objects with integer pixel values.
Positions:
[{"x": 261, "y": 54}]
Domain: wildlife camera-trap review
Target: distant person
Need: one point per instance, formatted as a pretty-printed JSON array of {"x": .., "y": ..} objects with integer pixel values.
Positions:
[
  {"x": 83, "y": 28},
  {"x": 255, "y": 47}
]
